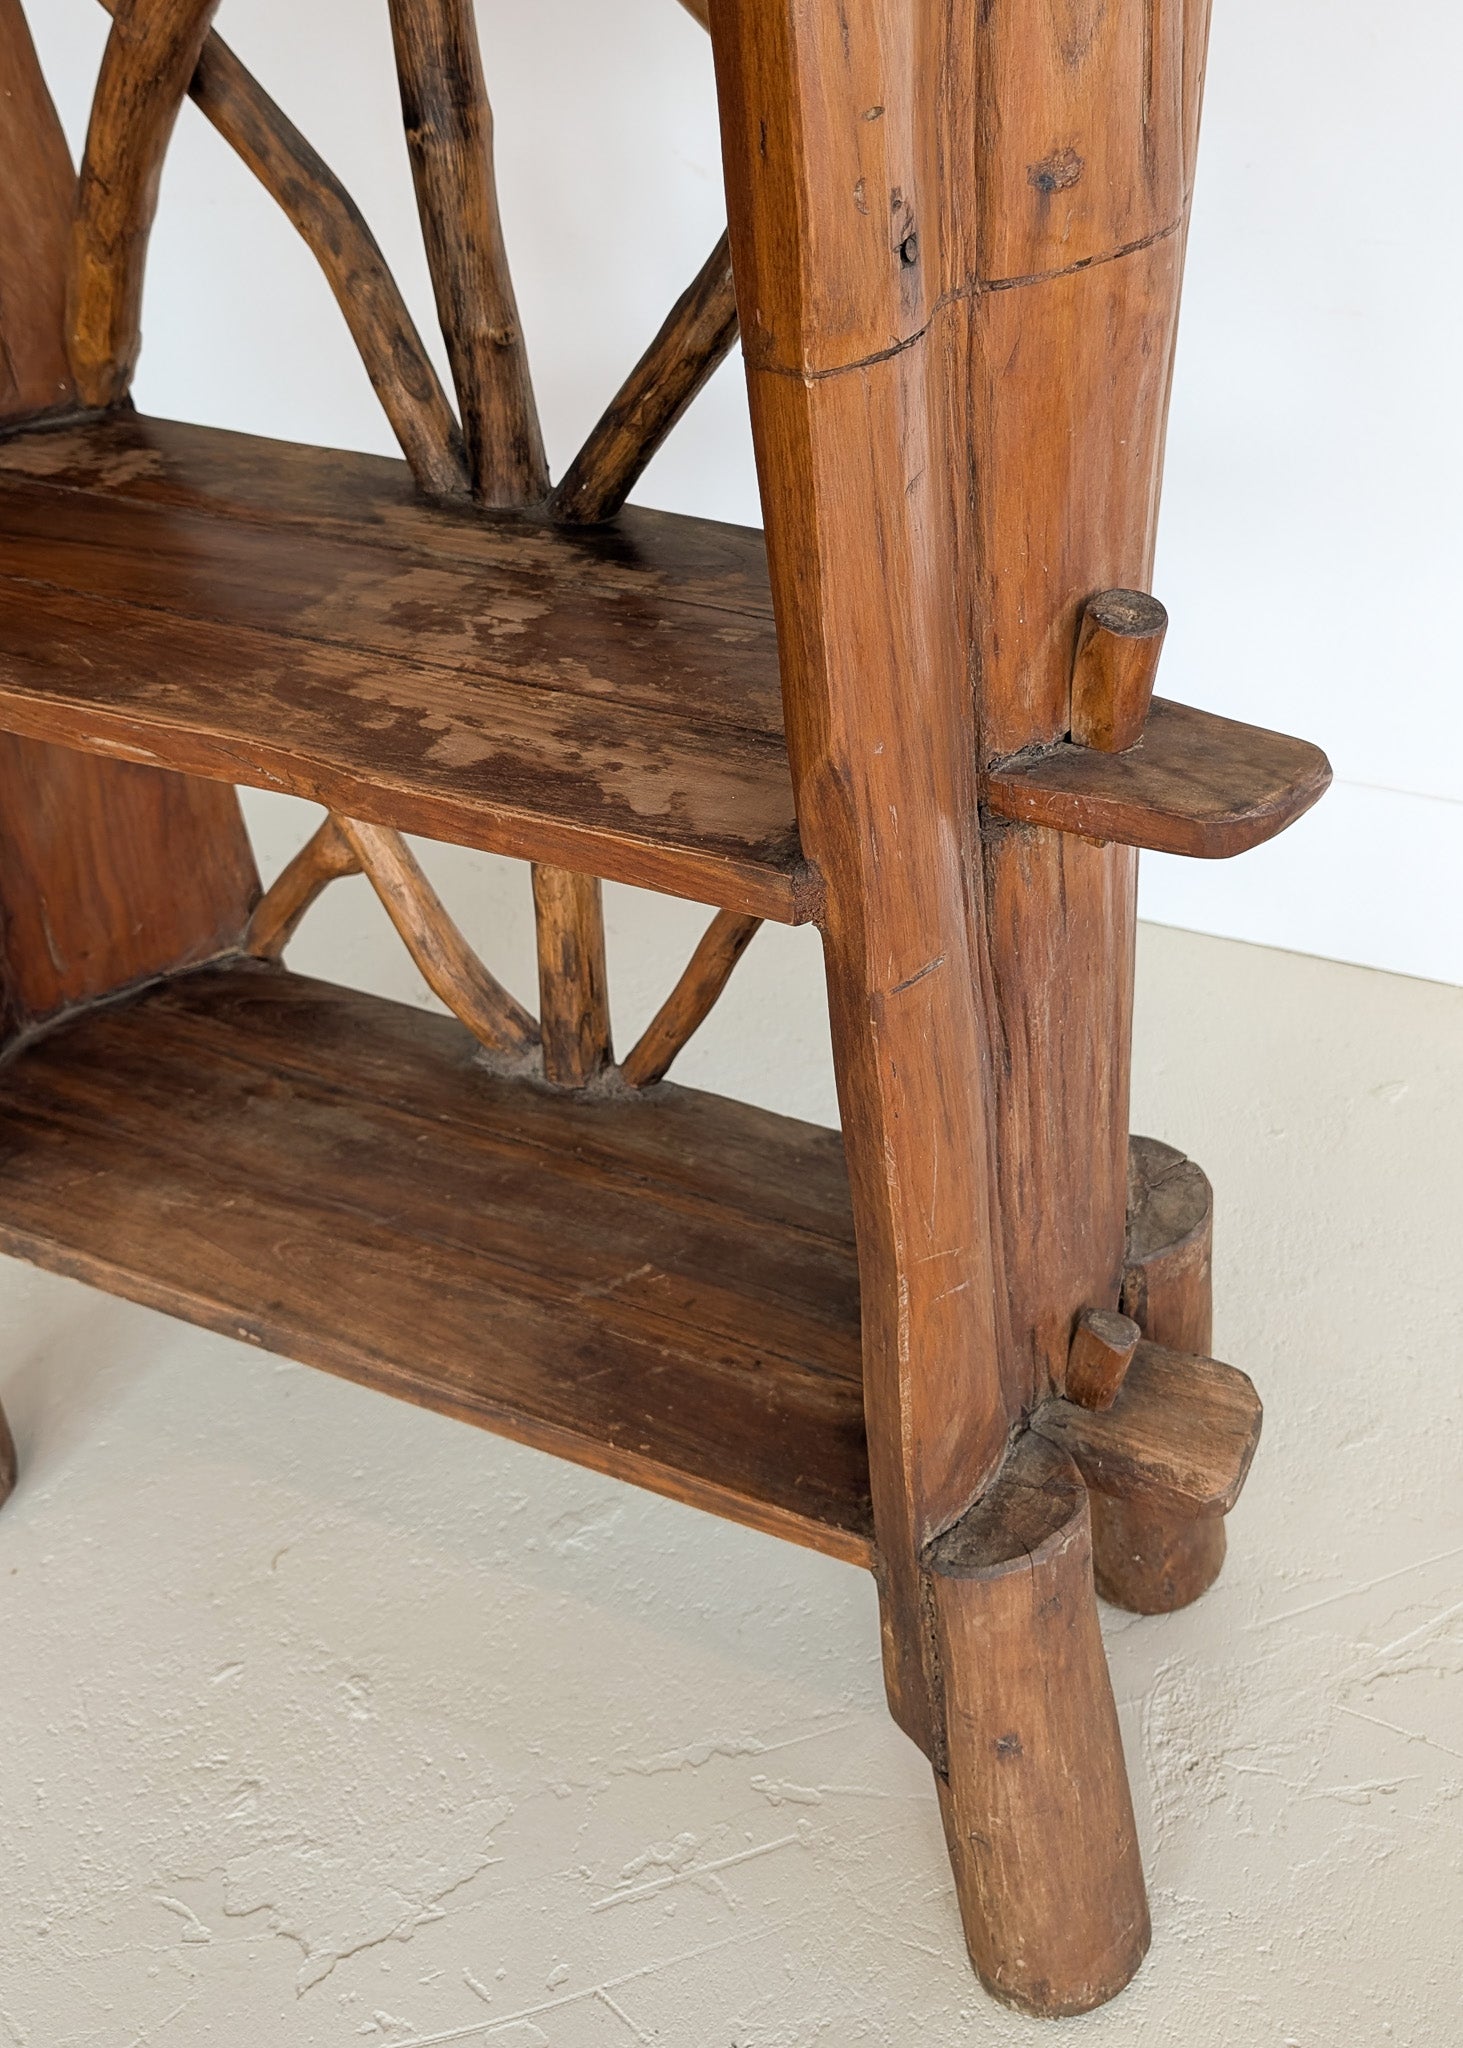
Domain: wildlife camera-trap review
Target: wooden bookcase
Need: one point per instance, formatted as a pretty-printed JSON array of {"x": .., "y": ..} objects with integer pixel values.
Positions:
[{"x": 966, "y": 1344}]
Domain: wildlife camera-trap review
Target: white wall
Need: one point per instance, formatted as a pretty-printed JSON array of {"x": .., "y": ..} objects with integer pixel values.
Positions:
[{"x": 1311, "y": 529}]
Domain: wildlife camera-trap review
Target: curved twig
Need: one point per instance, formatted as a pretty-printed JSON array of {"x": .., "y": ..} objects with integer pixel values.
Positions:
[
  {"x": 319, "y": 206},
  {"x": 150, "y": 56},
  {"x": 696, "y": 338},
  {"x": 689, "y": 1003},
  {"x": 322, "y": 860},
  {"x": 448, "y": 965},
  {"x": 315, "y": 202},
  {"x": 446, "y": 962}
]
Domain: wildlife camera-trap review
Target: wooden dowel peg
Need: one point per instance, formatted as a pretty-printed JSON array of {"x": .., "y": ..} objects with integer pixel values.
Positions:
[
  {"x": 1118, "y": 645},
  {"x": 574, "y": 1006},
  {"x": 1102, "y": 1350},
  {"x": 1035, "y": 1793}
]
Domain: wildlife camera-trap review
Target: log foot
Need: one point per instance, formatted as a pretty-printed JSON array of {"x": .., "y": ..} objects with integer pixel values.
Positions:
[
  {"x": 1150, "y": 1562},
  {"x": 1032, "y": 1783}
]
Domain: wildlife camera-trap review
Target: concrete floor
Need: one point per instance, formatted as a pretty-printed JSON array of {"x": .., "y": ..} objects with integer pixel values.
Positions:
[{"x": 328, "y": 1721}]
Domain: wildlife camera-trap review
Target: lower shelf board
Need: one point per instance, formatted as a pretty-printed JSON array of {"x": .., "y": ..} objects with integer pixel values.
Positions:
[{"x": 664, "y": 1289}]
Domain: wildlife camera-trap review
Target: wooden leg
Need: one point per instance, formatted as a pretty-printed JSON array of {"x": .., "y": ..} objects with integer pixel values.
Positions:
[
  {"x": 7, "y": 1460},
  {"x": 1034, "y": 1791},
  {"x": 1152, "y": 1563},
  {"x": 1143, "y": 1559}
]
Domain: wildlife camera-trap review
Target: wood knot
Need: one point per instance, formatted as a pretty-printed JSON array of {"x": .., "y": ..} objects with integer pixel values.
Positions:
[{"x": 1057, "y": 172}]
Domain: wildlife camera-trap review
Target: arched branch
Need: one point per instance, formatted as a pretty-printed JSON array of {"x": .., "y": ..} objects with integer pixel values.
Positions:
[
  {"x": 322, "y": 860},
  {"x": 319, "y": 206},
  {"x": 690, "y": 1002},
  {"x": 150, "y": 56},
  {"x": 443, "y": 957}
]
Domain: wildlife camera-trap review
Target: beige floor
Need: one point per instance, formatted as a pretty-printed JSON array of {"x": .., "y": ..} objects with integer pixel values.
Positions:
[{"x": 330, "y": 1722}]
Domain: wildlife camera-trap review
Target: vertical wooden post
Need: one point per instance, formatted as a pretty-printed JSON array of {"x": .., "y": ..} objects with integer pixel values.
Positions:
[
  {"x": 449, "y": 131},
  {"x": 574, "y": 1002},
  {"x": 956, "y": 237},
  {"x": 828, "y": 144}
]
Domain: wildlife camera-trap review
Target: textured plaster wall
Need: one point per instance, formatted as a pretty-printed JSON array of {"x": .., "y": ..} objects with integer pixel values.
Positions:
[{"x": 327, "y": 1721}]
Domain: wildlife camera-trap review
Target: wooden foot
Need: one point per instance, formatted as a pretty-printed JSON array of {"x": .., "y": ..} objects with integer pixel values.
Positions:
[
  {"x": 1149, "y": 1562},
  {"x": 1034, "y": 1791},
  {"x": 1143, "y": 1559},
  {"x": 7, "y": 1460}
]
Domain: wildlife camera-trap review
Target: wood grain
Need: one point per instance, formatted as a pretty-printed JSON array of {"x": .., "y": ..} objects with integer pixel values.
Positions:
[
  {"x": 449, "y": 132},
  {"x": 692, "y": 999},
  {"x": 698, "y": 334},
  {"x": 447, "y": 964},
  {"x": 151, "y": 54},
  {"x": 1102, "y": 1350},
  {"x": 665, "y": 1291},
  {"x": 1168, "y": 1285},
  {"x": 1179, "y": 1437},
  {"x": 602, "y": 701},
  {"x": 574, "y": 997},
  {"x": 110, "y": 875},
  {"x": 1118, "y": 646},
  {"x": 1197, "y": 784},
  {"x": 37, "y": 196},
  {"x": 1036, "y": 1804},
  {"x": 1144, "y": 1559},
  {"x": 325, "y": 857},
  {"x": 335, "y": 231}
]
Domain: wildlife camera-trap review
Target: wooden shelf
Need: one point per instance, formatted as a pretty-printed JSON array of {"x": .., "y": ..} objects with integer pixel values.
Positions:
[
  {"x": 662, "y": 1289},
  {"x": 299, "y": 619},
  {"x": 1195, "y": 784}
]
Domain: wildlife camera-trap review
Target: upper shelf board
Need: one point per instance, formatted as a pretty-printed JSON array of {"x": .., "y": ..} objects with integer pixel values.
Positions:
[{"x": 300, "y": 619}]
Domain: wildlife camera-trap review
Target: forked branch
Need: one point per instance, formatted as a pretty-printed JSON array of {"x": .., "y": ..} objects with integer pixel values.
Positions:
[
  {"x": 321, "y": 861},
  {"x": 335, "y": 231},
  {"x": 444, "y": 959},
  {"x": 448, "y": 965},
  {"x": 449, "y": 132},
  {"x": 319, "y": 206},
  {"x": 695, "y": 340},
  {"x": 150, "y": 56},
  {"x": 690, "y": 1002}
]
